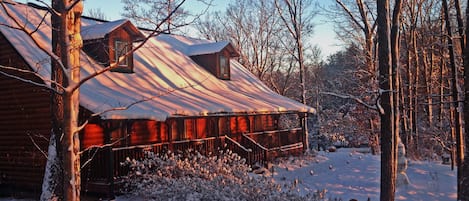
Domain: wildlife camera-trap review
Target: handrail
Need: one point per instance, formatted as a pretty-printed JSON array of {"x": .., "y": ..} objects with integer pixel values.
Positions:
[
  {"x": 291, "y": 147},
  {"x": 257, "y": 144},
  {"x": 160, "y": 143},
  {"x": 288, "y": 147},
  {"x": 237, "y": 143},
  {"x": 275, "y": 131}
]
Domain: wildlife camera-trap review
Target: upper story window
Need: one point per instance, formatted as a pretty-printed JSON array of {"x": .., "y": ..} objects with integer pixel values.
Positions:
[
  {"x": 214, "y": 57},
  {"x": 120, "y": 49},
  {"x": 109, "y": 42},
  {"x": 224, "y": 67}
]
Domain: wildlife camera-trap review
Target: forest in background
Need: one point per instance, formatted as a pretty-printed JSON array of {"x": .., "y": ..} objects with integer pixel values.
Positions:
[
  {"x": 344, "y": 86},
  {"x": 398, "y": 78},
  {"x": 347, "y": 88}
]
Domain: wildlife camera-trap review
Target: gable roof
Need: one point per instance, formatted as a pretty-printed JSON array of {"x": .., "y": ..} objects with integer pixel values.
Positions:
[
  {"x": 210, "y": 48},
  {"x": 100, "y": 30},
  {"x": 165, "y": 76}
]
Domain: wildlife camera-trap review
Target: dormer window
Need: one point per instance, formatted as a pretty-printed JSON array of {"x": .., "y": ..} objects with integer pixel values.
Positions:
[
  {"x": 214, "y": 57},
  {"x": 109, "y": 42},
  {"x": 120, "y": 49},
  {"x": 224, "y": 67}
]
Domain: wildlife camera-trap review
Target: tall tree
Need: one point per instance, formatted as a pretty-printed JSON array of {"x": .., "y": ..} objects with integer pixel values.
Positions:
[
  {"x": 297, "y": 20},
  {"x": 96, "y": 13},
  {"x": 362, "y": 18},
  {"x": 463, "y": 193},
  {"x": 395, "y": 60},
  {"x": 388, "y": 176},
  {"x": 66, "y": 46},
  {"x": 148, "y": 13},
  {"x": 455, "y": 93}
]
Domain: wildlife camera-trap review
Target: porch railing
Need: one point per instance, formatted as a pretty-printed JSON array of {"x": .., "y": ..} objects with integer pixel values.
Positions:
[
  {"x": 98, "y": 168},
  {"x": 259, "y": 147}
]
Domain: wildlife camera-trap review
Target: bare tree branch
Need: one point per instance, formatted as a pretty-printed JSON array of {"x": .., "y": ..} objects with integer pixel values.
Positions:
[
  {"x": 155, "y": 32},
  {"x": 36, "y": 145},
  {"x": 356, "y": 99},
  {"x": 30, "y": 81},
  {"x": 23, "y": 28}
]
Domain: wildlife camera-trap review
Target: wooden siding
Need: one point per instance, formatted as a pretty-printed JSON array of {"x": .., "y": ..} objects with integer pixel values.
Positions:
[
  {"x": 98, "y": 50},
  {"x": 211, "y": 63},
  {"x": 144, "y": 132},
  {"x": 201, "y": 124},
  {"x": 265, "y": 122},
  {"x": 207, "y": 61},
  {"x": 92, "y": 134},
  {"x": 24, "y": 112},
  {"x": 190, "y": 130}
]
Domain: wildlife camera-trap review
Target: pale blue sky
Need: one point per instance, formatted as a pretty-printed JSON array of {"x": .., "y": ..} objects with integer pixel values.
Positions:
[{"x": 324, "y": 35}]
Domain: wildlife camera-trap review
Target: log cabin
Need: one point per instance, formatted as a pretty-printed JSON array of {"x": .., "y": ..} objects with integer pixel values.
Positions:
[{"x": 174, "y": 93}]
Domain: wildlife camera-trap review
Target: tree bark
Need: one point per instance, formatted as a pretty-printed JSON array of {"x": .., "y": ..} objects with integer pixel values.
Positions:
[
  {"x": 388, "y": 176},
  {"x": 53, "y": 177},
  {"x": 415, "y": 97},
  {"x": 455, "y": 95},
  {"x": 395, "y": 28},
  {"x": 67, "y": 42},
  {"x": 463, "y": 183},
  {"x": 427, "y": 72}
]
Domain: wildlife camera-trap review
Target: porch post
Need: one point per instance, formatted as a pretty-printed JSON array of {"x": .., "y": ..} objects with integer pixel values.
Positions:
[
  {"x": 110, "y": 156},
  {"x": 304, "y": 124}
]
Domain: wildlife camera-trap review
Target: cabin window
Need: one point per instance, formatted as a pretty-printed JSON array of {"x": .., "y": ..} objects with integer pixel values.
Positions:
[
  {"x": 258, "y": 123},
  {"x": 189, "y": 129},
  {"x": 224, "y": 66},
  {"x": 120, "y": 49},
  {"x": 201, "y": 124},
  {"x": 174, "y": 131},
  {"x": 223, "y": 126}
]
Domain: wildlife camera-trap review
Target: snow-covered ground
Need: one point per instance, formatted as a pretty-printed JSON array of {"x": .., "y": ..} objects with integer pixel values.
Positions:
[{"x": 348, "y": 174}]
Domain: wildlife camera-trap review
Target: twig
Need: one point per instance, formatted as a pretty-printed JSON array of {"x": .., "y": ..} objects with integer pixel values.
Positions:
[
  {"x": 97, "y": 148},
  {"x": 155, "y": 32},
  {"x": 356, "y": 99},
  {"x": 37, "y": 146}
]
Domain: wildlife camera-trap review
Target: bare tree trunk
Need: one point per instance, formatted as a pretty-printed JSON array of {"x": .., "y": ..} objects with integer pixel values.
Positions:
[
  {"x": 388, "y": 176},
  {"x": 395, "y": 28},
  {"x": 415, "y": 97},
  {"x": 443, "y": 66},
  {"x": 455, "y": 95},
  {"x": 463, "y": 183},
  {"x": 66, "y": 45},
  {"x": 293, "y": 20},
  {"x": 368, "y": 29},
  {"x": 427, "y": 72},
  {"x": 404, "y": 111},
  {"x": 301, "y": 62},
  {"x": 410, "y": 98},
  {"x": 53, "y": 176},
  {"x": 457, "y": 5}
]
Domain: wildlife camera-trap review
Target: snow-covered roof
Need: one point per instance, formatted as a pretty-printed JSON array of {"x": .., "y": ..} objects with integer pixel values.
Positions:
[
  {"x": 100, "y": 30},
  {"x": 165, "y": 76},
  {"x": 206, "y": 48}
]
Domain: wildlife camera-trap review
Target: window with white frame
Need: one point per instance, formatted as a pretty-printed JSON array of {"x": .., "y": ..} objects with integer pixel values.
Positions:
[
  {"x": 120, "y": 49},
  {"x": 224, "y": 67}
]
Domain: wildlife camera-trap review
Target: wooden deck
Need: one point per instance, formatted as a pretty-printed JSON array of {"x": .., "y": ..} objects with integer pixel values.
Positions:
[{"x": 102, "y": 166}]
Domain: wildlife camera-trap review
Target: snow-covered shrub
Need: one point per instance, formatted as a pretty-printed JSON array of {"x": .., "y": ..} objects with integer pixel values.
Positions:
[
  {"x": 288, "y": 121},
  {"x": 192, "y": 176}
]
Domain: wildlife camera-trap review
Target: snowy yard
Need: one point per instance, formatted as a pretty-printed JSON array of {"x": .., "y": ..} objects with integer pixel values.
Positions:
[
  {"x": 350, "y": 174},
  {"x": 345, "y": 174}
]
